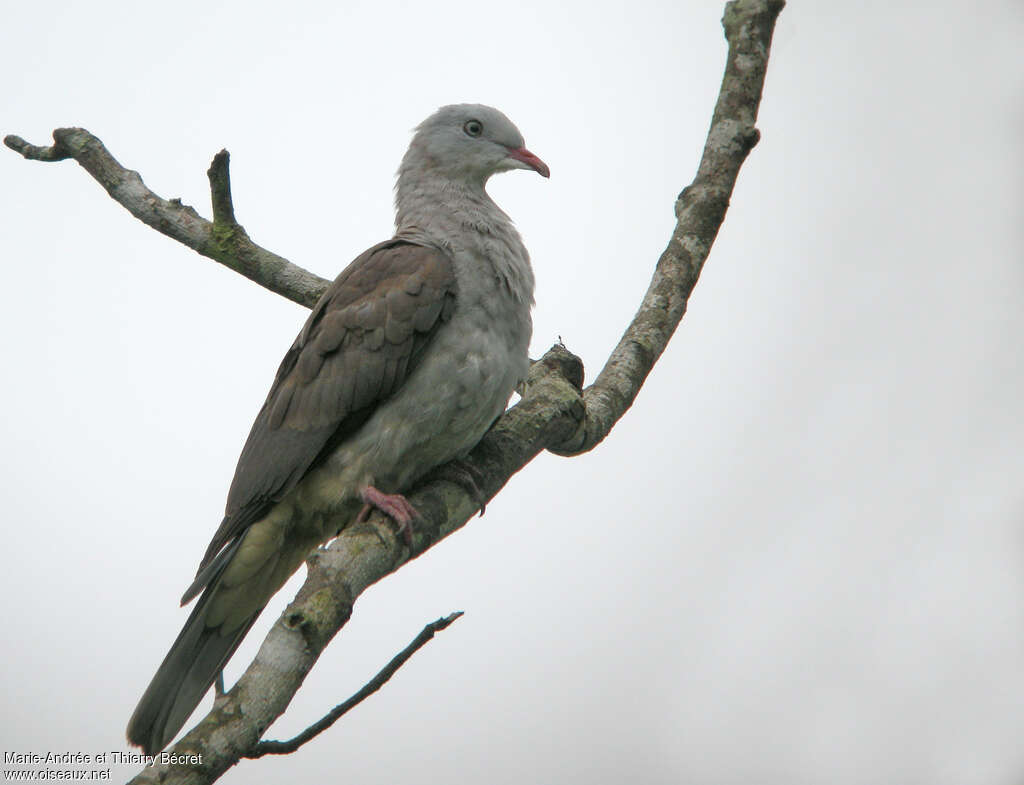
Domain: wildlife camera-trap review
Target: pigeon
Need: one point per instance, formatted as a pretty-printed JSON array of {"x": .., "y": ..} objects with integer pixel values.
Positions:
[{"x": 402, "y": 366}]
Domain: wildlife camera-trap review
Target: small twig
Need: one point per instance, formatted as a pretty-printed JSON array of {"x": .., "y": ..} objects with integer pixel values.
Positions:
[
  {"x": 55, "y": 152},
  {"x": 220, "y": 189},
  {"x": 378, "y": 681}
]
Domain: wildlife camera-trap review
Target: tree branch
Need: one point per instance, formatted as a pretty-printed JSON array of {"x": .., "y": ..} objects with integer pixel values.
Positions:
[
  {"x": 223, "y": 240},
  {"x": 378, "y": 681},
  {"x": 553, "y": 414},
  {"x": 700, "y": 211}
]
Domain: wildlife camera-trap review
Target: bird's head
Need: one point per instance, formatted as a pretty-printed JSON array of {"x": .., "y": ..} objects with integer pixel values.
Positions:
[{"x": 469, "y": 143}]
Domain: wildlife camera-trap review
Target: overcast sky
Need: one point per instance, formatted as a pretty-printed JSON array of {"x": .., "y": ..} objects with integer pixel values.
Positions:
[{"x": 798, "y": 559}]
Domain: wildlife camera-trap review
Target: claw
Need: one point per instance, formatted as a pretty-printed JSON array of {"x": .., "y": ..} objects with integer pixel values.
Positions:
[
  {"x": 392, "y": 504},
  {"x": 465, "y": 475}
]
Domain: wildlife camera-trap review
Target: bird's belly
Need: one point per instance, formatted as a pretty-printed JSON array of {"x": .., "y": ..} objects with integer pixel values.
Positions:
[{"x": 445, "y": 407}]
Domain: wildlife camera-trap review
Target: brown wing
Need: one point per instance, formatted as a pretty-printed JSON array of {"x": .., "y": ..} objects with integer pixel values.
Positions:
[{"x": 359, "y": 344}]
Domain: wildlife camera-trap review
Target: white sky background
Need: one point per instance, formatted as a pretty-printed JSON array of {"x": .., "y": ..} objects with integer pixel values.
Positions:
[{"x": 798, "y": 559}]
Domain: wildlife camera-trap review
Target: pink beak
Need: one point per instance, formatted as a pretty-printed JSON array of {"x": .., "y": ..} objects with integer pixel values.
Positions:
[{"x": 528, "y": 158}]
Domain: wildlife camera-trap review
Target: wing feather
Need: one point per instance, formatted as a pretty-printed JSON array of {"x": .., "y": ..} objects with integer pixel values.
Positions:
[{"x": 358, "y": 345}]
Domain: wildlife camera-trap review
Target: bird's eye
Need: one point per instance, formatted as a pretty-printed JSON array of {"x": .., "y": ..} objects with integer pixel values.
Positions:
[{"x": 473, "y": 128}]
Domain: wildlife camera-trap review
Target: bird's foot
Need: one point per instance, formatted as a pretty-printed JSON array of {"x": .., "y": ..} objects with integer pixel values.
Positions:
[
  {"x": 392, "y": 504},
  {"x": 462, "y": 474}
]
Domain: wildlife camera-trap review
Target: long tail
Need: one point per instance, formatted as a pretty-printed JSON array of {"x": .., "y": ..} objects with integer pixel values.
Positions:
[
  {"x": 235, "y": 586},
  {"x": 198, "y": 654}
]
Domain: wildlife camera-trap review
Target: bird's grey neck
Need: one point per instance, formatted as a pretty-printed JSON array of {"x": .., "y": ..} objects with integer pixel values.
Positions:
[
  {"x": 461, "y": 217},
  {"x": 428, "y": 201}
]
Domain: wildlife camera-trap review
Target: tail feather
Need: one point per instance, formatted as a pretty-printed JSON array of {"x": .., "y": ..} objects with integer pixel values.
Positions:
[
  {"x": 196, "y": 657},
  {"x": 185, "y": 675},
  {"x": 234, "y": 594}
]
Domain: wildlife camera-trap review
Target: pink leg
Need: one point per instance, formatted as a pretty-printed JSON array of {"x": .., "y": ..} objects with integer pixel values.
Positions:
[{"x": 392, "y": 504}]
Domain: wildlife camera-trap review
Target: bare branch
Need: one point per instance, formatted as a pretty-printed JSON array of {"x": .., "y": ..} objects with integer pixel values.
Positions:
[
  {"x": 223, "y": 241},
  {"x": 378, "y": 681},
  {"x": 700, "y": 210}
]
